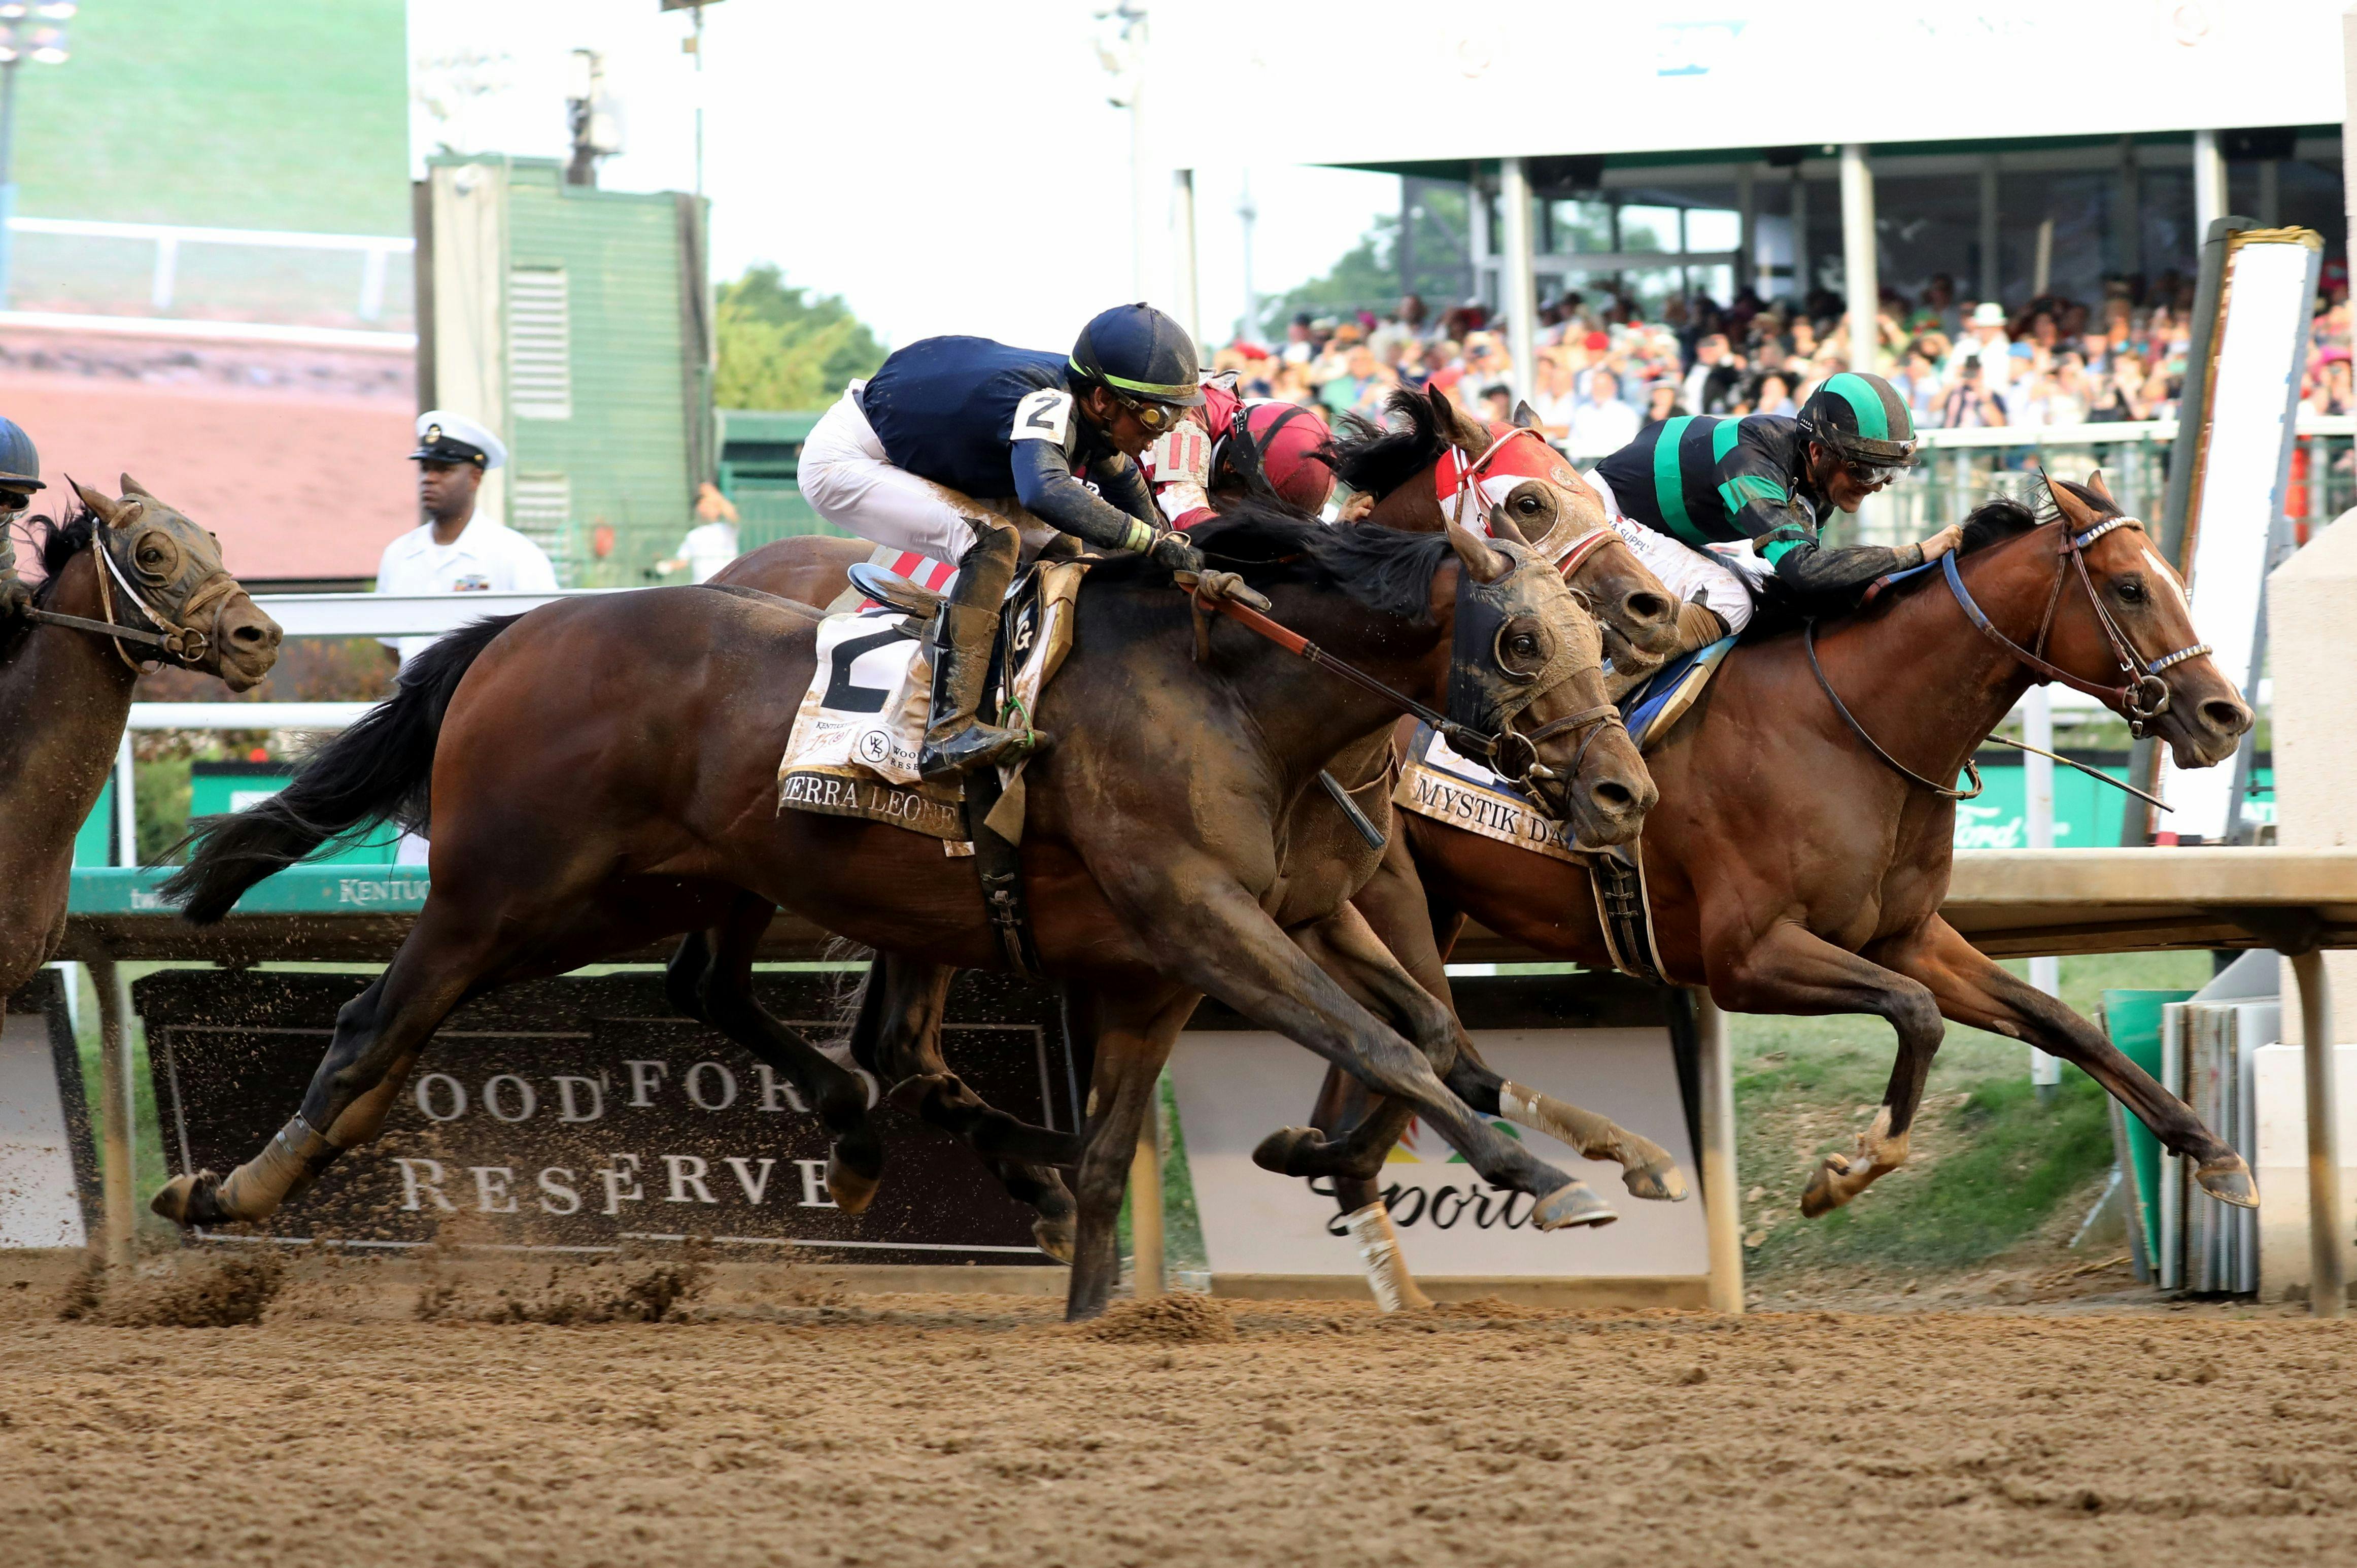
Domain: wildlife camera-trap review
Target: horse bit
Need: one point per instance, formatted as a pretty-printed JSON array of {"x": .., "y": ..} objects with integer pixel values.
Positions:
[
  {"x": 183, "y": 644},
  {"x": 2140, "y": 699}
]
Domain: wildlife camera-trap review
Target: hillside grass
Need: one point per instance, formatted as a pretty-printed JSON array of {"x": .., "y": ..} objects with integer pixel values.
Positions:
[
  {"x": 262, "y": 115},
  {"x": 1990, "y": 1162}
]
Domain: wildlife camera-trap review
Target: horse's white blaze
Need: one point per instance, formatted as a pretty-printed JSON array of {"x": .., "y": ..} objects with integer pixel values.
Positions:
[{"x": 2168, "y": 574}]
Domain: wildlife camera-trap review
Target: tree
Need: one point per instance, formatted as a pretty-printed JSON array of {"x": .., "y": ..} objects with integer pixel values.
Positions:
[{"x": 779, "y": 348}]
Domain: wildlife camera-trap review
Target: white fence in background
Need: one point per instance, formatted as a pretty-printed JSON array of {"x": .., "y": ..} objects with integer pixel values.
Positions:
[{"x": 374, "y": 250}]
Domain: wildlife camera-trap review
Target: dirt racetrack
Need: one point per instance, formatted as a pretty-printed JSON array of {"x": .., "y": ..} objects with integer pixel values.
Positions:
[{"x": 783, "y": 1424}]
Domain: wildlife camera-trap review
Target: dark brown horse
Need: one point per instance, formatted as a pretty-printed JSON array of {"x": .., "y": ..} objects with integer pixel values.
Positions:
[
  {"x": 65, "y": 689},
  {"x": 1792, "y": 871},
  {"x": 582, "y": 805}
]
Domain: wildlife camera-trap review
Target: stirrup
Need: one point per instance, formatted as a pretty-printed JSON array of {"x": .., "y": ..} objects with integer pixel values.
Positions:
[{"x": 975, "y": 745}]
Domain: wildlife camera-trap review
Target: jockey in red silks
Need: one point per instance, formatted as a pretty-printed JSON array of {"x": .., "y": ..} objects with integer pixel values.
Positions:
[{"x": 1188, "y": 464}]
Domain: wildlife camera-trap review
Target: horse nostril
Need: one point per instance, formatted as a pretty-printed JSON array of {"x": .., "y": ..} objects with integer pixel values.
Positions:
[
  {"x": 1644, "y": 606},
  {"x": 1612, "y": 796},
  {"x": 2232, "y": 718}
]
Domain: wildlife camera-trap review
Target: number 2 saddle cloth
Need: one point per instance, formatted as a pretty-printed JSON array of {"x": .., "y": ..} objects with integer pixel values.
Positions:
[
  {"x": 1437, "y": 782},
  {"x": 853, "y": 752}
]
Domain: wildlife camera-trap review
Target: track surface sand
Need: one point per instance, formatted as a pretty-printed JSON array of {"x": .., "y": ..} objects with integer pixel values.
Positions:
[{"x": 928, "y": 1430}]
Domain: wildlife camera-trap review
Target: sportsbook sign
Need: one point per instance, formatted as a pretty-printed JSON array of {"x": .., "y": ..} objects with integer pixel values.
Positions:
[{"x": 583, "y": 1113}]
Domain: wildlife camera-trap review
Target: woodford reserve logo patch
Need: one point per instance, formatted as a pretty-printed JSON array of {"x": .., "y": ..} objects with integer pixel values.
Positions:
[{"x": 1447, "y": 788}]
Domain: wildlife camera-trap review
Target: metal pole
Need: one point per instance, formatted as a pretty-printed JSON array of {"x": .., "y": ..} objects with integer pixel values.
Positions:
[
  {"x": 1747, "y": 203},
  {"x": 2328, "y": 1287},
  {"x": 2129, "y": 225},
  {"x": 2209, "y": 181},
  {"x": 1992, "y": 276},
  {"x": 1859, "y": 265},
  {"x": 1246, "y": 214},
  {"x": 1182, "y": 253},
  {"x": 1521, "y": 296},
  {"x": 1146, "y": 1200},
  {"x": 698, "y": 12},
  {"x": 1482, "y": 241},
  {"x": 2038, "y": 787},
  {"x": 1140, "y": 240},
  {"x": 1722, "y": 1199},
  {"x": 116, "y": 1170},
  {"x": 7, "y": 177},
  {"x": 126, "y": 806}
]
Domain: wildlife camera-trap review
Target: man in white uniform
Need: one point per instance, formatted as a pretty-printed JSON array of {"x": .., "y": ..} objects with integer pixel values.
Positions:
[
  {"x": 455, "y": 552},
  {"x": 711, "y": 544}
]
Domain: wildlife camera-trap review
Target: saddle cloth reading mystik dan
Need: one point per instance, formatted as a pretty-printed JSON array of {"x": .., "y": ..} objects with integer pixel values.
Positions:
[
  {"x": 853, "y": 752},
  {"x": 1439, "y": 783}
]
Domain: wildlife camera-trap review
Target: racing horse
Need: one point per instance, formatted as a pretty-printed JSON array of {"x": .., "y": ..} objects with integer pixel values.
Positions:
[
  {"x": 1797, "y": 859},
  {"x": 583, "y": 804},
  {"x": 127, "y": 580},
  {"x": 1504, "y": 473}
]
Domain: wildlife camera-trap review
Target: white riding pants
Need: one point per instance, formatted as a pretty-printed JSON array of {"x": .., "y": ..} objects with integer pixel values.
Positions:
[
  {"x": 1687, "y": 572},
  {"x": 849, "y": 481}
]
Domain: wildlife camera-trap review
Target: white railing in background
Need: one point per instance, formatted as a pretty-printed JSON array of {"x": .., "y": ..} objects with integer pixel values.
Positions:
[{"x": 167, "y": 239}]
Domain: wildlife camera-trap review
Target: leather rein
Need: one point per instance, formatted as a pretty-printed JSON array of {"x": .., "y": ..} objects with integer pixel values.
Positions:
[
  {"x": 2140, "y": 699},
  {"x": 1523, "y": 768},
  {"x": 183, "y": 645}
]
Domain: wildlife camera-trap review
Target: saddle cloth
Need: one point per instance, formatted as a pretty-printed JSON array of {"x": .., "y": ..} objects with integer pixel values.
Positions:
[
  {"x": 1437, "y": 782},
  {"x": 853, "y": 751}
]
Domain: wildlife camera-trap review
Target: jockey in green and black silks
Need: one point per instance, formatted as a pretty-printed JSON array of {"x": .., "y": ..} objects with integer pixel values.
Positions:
[{"x": 1688, "y": 484}]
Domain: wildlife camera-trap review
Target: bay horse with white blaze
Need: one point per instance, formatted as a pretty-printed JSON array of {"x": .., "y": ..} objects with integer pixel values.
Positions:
[{"x": 1795, "y": 870}]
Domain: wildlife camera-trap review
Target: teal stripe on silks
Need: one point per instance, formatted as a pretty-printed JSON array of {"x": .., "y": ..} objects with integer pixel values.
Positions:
[
  {"x": 1722, "y": 439},
  {"x": 1669, "y": 480},
  {"x": 1745, "y": 488},
  {"x": 1873, "y": 419},
  {"x": 1778, "y": 551}
]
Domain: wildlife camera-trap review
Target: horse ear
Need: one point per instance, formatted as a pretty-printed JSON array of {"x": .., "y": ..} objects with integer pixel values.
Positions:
[
  {"x": 2095, "y": 483},
  {"x": 1525, "y": 416},
  {"x": 1486, "y": 564},
  {"x": 132, "y": 487},
  {"x": 105, "y": 508},
  {"x": 1504, "y": 527},
  {"x": 2080, "y": 515}
]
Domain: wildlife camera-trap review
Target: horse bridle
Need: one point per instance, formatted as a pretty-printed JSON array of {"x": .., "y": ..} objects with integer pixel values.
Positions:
[
  {"x": 1469, "y": 470},
  {"x": 183, "y": 644},
  {"x": 2141, "y": 699}
]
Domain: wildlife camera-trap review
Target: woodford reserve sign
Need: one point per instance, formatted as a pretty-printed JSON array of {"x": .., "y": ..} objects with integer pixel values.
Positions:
[{"x": 582, "y": 1112}]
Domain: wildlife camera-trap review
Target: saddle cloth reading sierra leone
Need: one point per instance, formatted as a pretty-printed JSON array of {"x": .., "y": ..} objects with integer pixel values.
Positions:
[
  {"x": 853, "y": 752},
  {"x": 1437, "y": 782}
]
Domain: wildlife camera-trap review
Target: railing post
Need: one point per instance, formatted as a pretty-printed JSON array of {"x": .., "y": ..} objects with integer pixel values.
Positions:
[
  {"x": 372, "y": 283},
  {"x": 116, "y": 1168},
  {"x": 1722, "y": 1199},
  {"x": 2328, "y": 1288},
  {"x": 1146, "y": 1200},
  {"x": 167, "y": 268}
]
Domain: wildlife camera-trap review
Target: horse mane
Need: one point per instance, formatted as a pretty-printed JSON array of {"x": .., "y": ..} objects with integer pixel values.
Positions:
[
  {"x": 1376, "y": 459},
  {"x": 1385, "y": 570},
  {"x": 55, "y": 543}
]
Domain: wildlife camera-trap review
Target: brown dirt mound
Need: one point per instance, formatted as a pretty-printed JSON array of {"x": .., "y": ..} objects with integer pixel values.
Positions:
[
  {"x": 1165, "y": 1320},
  {"x": 1485, "y": 1306},
  {"x": 189, "y": 1291},
  {"x": 621, "y": 1289}
]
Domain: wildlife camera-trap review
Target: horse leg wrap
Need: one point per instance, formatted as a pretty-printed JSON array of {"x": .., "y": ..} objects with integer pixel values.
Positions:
[
  {"x": 286, "y": 1168},
  {"x": 1379, "y": 1253},
  {"x": 1647, "y": 1169}
]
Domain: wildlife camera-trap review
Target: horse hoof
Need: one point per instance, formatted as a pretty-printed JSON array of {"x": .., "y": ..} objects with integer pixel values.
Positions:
[
  {"x": 1657, "y": 1184},
  {"x": 1574, "y": 1202},
  {"x": 188, "y": 1200},
  {"x": 850, "y": 1190},
  {"x": 1819, "y": 1198},
  {"x": 1055, "y": 1235},
  {"x": 2229, "y": 1181},
  {"x": 1280, "y": 1150}
]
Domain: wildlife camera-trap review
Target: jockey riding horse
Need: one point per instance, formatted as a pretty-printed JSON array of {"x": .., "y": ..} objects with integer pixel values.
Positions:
[
  {"x": 1692, "y": 482},
  {"x": 951, "y": 418},
  {"x": 20, "y": 476}
]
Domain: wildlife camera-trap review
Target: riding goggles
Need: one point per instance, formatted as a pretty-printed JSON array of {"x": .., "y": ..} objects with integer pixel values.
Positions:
[{"x": 1157, "y": 418}]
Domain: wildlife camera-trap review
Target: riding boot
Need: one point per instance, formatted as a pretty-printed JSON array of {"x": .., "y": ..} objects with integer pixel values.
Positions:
[
  {"x": 1699, "y": 626},
  {"x": 964, "y": 627}
]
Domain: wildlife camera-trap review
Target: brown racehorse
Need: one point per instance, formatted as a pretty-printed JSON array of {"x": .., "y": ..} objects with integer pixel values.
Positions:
[
  {"x": 65, "y": 690},
  {"x": 1526, "y": 490},
  {"x": 1792, "y": 871},
  {"x": 582, "y": 803}
]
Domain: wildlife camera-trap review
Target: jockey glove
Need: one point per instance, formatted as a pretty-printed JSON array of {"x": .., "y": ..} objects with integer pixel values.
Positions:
[
  {"x": 1105, "y": 516},
  {"x": 1172, "y": 550}
]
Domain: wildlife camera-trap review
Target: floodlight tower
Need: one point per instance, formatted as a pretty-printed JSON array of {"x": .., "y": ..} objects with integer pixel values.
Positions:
[{"x": 33, "y": 30}]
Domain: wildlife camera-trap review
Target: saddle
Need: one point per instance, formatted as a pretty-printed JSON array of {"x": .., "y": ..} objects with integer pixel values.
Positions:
[{"x": 853, "y": 751}]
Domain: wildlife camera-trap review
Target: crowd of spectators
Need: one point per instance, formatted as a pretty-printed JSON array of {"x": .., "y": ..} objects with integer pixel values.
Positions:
[{"x": 1605, "y": 368}]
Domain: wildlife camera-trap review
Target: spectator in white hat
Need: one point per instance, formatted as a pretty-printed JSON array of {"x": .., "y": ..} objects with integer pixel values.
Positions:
[{"x": 453, "y": 550}]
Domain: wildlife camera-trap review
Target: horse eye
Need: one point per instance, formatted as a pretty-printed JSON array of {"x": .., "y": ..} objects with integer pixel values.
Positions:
[
  {"x": 2132, "y": 591},
  {"x": 1528, "y": 503},
  {"x": 1526, "y": 643}
]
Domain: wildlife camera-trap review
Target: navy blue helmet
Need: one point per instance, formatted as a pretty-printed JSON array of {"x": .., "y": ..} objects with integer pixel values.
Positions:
[
  {"x": 1141, "y": 354},
  {"x": 20, "y": 463}
]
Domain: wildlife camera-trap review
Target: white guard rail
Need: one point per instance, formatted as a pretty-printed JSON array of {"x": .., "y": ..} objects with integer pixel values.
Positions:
[{"x": 167, "y": 239}]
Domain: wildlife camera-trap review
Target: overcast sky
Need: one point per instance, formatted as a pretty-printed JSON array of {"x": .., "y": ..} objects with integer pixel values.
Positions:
[{"x": 945, "y": 166}]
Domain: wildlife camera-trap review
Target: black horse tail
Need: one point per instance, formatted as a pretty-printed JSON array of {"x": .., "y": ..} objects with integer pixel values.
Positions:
[{"x": 377, "y": 771}]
